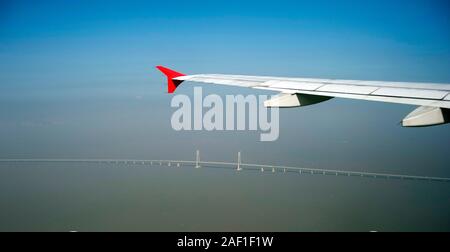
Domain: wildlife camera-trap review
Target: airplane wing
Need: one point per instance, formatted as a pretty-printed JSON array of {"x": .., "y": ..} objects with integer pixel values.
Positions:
[{"x": 433, "y": 100}]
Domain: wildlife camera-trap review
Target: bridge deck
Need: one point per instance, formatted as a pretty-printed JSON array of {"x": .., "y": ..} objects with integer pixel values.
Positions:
[{"x": 243, "y": 166}]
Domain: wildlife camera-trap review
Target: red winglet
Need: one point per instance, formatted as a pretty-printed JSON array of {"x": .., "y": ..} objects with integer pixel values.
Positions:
[{"x": 171, "y": 83}]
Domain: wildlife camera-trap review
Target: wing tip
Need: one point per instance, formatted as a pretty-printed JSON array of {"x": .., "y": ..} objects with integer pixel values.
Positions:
[{"x": 170, "y": 74}]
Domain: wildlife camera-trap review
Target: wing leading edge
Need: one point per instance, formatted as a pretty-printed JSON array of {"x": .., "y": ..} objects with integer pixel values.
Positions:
[{"x": 433, "y": 99}]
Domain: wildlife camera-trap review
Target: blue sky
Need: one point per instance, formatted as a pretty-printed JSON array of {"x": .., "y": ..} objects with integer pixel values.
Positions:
[{"x": 80, "y": 47}]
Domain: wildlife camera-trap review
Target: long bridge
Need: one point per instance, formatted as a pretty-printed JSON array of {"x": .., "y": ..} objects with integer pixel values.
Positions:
[{"x": 238, "y": 166}]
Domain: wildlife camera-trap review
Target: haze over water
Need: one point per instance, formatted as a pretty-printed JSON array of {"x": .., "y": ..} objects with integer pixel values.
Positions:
[{"x": 87, "y": 88}]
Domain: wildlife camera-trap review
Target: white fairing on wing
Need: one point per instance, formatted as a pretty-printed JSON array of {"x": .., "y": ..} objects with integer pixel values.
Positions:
[
  {"x": 427, "y": 95},
  {"x": 426, "y": 116}
]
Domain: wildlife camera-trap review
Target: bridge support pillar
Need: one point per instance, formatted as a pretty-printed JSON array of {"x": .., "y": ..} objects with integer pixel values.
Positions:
[
  {"x": 239, "y": 161},
  {"x": 197, "y": 159}
]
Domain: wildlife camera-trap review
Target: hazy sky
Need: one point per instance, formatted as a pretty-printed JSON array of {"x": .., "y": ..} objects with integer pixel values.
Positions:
[
  {"x": 71, "y": 70},
  {"x": 77, "y": 79}
]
